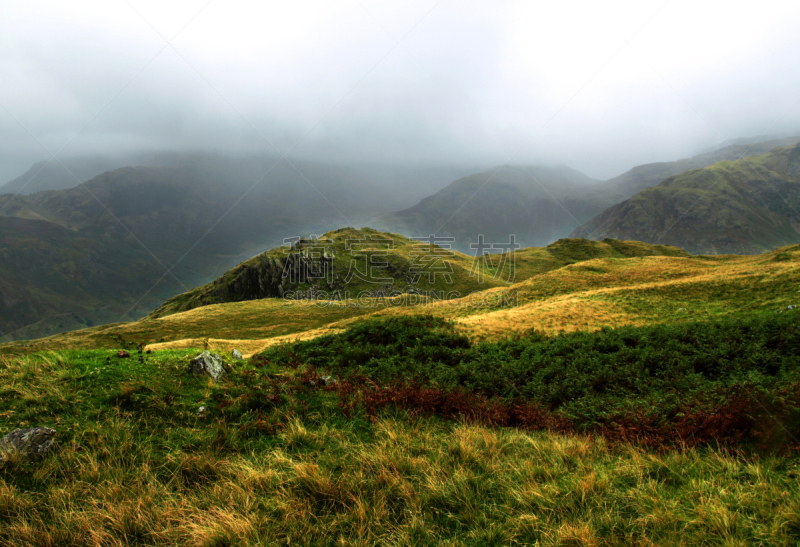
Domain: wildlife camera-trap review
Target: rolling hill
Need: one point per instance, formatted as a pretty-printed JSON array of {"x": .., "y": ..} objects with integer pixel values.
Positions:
[
  {"x": 570, "y": 285},
  {"x": 744, "y": 206},
  {"x": 347, "y": 264},
  {"x": 176, "y": 220}
]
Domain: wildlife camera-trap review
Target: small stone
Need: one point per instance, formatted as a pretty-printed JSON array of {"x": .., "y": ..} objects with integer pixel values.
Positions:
[
  {"x": 328, "y": 380},
  {"x": 237, "y": 355},
  {"x": 206, "y": 363},
  {"x": 791, "y": 307},
  {"x": 201, "y": 412},
  {"x": 32, "y": 443},
  {"x": 123, "y": 353}
]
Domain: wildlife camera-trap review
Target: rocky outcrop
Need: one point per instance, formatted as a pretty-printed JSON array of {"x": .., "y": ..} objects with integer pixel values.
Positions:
[
  {"x": 30, "y": 444},
  {"x": 209, "y": 364},
  {"x": 363, "y": 263}
]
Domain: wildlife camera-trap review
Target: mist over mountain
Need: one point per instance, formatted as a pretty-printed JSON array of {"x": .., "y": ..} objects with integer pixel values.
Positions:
[
  {"x": 128, "y": 239},
  {"x": 534, "y": 203},
  {"x": 60, "y": 175},
  {"x": 744, "y": 206},
  {"x": 539, "y": 205}
]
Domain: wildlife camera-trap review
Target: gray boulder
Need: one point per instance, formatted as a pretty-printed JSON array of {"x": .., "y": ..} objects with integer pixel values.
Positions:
[
  {"x": 237, "y": 355},
  {"x": 32, "y": 443},
  {"x": 210, "y": 364},
  {"x": 329, "y": 381}
]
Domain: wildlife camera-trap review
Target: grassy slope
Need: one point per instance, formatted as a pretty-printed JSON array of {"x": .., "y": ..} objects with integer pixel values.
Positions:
[
  {"x": 254, "y": 324},
  {"x": 276, "y": 463},
  {"x": 745, "y": 206},
  {"x": 350, "y": 250}
]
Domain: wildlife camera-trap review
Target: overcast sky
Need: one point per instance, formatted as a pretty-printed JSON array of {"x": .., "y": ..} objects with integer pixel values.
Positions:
[{"x": 597, "y": 85}]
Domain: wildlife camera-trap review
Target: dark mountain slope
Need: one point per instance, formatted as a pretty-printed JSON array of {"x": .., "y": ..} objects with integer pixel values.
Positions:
[
  {"x": 644, "y": 176},
  {"x": 539, "y": 205},
  {"x": 54, "y": 279},
  {"x": 511, "y": 200},
  {"x": 744, "y": 206}
]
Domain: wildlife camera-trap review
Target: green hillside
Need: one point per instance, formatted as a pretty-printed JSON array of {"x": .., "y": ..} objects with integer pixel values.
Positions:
[
  {"x": 343, "y": 264},
  {"x": 537, "y": 204},
  {"x": 141, "y": 221},
  {"x": 620, "y": 393},
  {"x": 347, "y": 263},
  {"x": 744, "y": 206},
  {"x": 644, "y": 176}
]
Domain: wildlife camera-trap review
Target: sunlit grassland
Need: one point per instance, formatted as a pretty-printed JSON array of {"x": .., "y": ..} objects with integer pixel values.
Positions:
[
  {"x": 611, "y": 292},
  {"x": 138, "y": 465},
  {"x": 587, "y": 295}
]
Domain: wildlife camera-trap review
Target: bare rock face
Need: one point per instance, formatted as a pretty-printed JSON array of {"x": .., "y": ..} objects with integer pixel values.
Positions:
[
  {"x": 210, "y": 364},
  {"x": 32, "y": 443}
]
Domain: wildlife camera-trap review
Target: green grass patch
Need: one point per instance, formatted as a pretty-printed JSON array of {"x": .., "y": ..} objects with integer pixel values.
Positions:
[{"x": 274, "y": 460}]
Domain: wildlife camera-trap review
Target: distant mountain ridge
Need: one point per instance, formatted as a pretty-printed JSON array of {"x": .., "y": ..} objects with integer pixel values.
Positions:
[
  {"x": 644, "y": 176},
  {"x": 523, "y": 201},
  {"x": 539, "y": 204},
  {"x": 65, "y": 173},
  {"x": 743, "y": 206},
  {"x": 68, "y": 172}
]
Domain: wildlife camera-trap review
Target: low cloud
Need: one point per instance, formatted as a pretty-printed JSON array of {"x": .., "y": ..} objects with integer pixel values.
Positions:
[{"x": 599, "y": 86}]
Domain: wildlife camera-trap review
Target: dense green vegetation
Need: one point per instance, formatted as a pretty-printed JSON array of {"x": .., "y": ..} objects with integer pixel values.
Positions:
[
  {"x": 654, "y": 376},
  {"x": 278, "y": 458}
]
